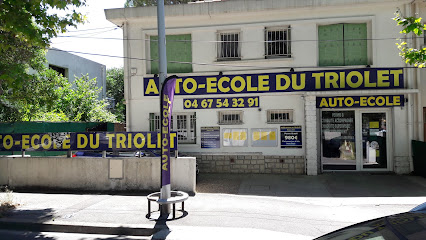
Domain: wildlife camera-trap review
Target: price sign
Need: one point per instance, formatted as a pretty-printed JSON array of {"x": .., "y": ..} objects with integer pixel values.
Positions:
[
  {"x": 209, "y": 103},
  {"x": 291, "y": 136}
]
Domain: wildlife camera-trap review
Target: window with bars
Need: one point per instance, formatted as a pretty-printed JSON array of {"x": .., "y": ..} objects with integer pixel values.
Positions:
[
  {"x": 231, "y": 117},
  {"x": 182, "y": 123},
  {"x": 280, "y": 116},
  {"x": 229, "y": 47},
  {"x": 277, "y": 42}
]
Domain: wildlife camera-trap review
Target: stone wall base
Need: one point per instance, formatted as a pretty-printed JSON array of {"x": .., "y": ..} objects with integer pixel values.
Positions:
[{"x": 249, "y": 163}]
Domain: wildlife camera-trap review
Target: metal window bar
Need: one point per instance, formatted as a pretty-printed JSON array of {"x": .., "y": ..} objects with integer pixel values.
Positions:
[
  {"x": 280, "y": 116},
  {"x": 182, "y": 127},
  {"x": 277, "y": 42},
  {"x": 192, "y": 126},
  {"x": 230, "y": 117},
  {"x": 228, "y": 46},
  {"x": 186, "y": 129}
]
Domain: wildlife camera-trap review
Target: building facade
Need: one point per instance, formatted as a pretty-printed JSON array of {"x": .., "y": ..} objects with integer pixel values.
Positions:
[
  {"x": 268, "y": 86},
  {"x": 71, "y": 66}
]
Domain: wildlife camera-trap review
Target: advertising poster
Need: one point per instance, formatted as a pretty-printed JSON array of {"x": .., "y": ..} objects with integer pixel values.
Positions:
[
  {"x": 264, "y": 137},
  {"x": 291, "y": 136},
  {"x": 210, "y": 137},
  {"x": 235, "y": 137}
]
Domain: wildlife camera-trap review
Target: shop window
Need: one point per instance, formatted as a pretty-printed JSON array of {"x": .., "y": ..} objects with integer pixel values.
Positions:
[
  {"x": 280, "y": 116},
  {"x": 231, "y": 117},
  {"x": 277, "y": 42},
  {"x": 229, "y": 47},
  {"x": 343, "y": 44},
  {"x": 179, "y": 53},
  {"x": 182, "y": 123}
]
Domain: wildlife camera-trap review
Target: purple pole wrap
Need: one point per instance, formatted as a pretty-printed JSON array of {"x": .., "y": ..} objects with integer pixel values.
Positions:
[{"x": 167, "y": 95}]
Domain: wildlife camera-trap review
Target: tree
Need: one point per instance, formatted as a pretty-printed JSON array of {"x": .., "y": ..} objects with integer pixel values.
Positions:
[
  {"x": 115, "y": 90},
  {"x": 413, "y": 56},
  {"x": 25, "y": 30},
  {"x": 144, "y": 3}
]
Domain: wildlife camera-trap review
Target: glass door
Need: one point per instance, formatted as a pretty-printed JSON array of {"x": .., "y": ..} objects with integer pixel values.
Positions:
[
  {"x": 375, "y": 136},
  {"x": 338, "y": 145}
]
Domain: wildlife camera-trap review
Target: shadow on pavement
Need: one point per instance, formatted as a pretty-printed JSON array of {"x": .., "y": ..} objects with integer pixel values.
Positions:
[
  {"x": 29, "y": 224},
  {"x": 325, "y": 185}
]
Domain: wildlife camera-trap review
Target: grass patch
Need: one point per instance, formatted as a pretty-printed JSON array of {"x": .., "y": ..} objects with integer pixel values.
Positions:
[{"x": 7, "y": 202}]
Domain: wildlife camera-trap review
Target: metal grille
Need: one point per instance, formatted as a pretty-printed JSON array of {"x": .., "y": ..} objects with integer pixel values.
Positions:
[
  {"x": 280, "y": 116},
  {"x": 185, "y": 129},
  {"x": 277, "y": 42},
  {"x": 231, "y": 117},
  {"x": 228, "y": 46}
]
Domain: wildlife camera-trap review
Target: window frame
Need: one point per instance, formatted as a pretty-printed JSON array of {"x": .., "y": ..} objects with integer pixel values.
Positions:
[
  {"x": 220, "y": 44},
  {"x": 270, "y": 112},
  {"x": 343, "y": 41},
  {"x": 190, "y": 122},
  {"x": 286, "y": 42},
  {"x": 222, "y": 114}
]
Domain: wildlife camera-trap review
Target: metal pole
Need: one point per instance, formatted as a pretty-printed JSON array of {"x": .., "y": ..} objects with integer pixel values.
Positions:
[{"x": 165, "y": 190}]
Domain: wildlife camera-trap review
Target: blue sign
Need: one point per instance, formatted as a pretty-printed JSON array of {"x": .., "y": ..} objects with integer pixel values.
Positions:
[
  {"x": 210, "y": 137},
  {"x": 361, "y": 101},
  {"x": 208, "y": 103},
  {"x": 325, "y": 80},
  {"x": 291, "y": 136}
]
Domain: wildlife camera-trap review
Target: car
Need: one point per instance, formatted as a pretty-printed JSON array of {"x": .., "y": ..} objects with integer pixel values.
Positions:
[{"x": 410, "y": 225}]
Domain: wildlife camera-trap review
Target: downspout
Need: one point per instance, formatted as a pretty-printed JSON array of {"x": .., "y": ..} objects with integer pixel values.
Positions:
[
  {"x": 420, "y": 126},
  {"x": 410, "y": 75},
  {"x": 127, "y": 85}
]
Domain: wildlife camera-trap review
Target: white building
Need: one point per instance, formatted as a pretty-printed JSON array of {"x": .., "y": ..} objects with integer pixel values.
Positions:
[
  {"x": 280, "y": 86},
  {"x": 71, "y": 66}
]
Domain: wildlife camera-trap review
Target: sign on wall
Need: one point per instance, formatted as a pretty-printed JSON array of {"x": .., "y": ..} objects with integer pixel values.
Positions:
[
  {"x": 235, "y": 137},
  {"x": 291, "y": 136},
  {"x": 208, "y": 103},
  {"x": 96, "y": 141},
  {"x": 361, "y": 101},
  {"x": 264, "y": 137},
  {"x": 210, "y": 137},
  {"x": 325, "y": 80}
]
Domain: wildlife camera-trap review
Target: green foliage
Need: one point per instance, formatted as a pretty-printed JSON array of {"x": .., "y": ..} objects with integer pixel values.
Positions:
[
  {"x": 47, "y": 96},
  {"x": 81, "y": 102},
  {"x": 412, "y": 56},
  {"x": 115, "y": 89},
  {"x": 144, "y": 3},
  {"x": 25, "y": 30}
]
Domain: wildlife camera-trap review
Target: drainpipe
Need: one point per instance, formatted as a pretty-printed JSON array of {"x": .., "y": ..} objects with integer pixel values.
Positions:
[
  {"x": 127, "y": 66},
  {"x": 420, "y": 126},
  {"x": 410, "y": 75}
]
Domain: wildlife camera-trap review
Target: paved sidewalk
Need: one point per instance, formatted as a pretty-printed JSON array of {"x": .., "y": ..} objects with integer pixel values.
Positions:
[{"x": 225, "y": 207}]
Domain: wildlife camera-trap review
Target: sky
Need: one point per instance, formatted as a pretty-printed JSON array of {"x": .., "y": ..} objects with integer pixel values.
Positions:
[{"x": 87, "y": 38}]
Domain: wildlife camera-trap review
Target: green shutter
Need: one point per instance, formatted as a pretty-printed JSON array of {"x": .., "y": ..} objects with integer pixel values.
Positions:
[
  {"x": 178, "y": 49},
  {"x": 331, "y": 45},
  {"x": 154, "y": 54},
  {"x": 355, "y": 50}
]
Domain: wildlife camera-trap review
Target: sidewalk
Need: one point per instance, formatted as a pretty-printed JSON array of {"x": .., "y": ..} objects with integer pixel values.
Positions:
[{"x": 226, "y": 207}]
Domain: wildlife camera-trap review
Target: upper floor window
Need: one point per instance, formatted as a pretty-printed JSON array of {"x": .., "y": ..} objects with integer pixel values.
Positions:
[
  {"x": 277, "y": 42},
  {"x": 179, "y": 53},
  {"x": 343, "y": 44},
  {"x": 60, "y": 70},
  {"x": 229, "y": 47}
]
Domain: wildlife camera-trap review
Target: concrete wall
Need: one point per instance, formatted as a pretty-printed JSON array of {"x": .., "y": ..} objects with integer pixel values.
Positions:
[
  {"x": 103, "y": 174},
  {"x": 78, "y": 66}
]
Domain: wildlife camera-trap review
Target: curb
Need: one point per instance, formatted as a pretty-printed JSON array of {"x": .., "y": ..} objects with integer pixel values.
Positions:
[{"x": 43, "y": 227}]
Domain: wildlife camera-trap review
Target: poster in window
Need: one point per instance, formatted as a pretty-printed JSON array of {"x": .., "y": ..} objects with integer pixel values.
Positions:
[
  {"x": 264, "y": 137},
  {"x": 235, "y": 137},
  {"x": 210, "y": 137},
  {"x": 291, "y": 136}
]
